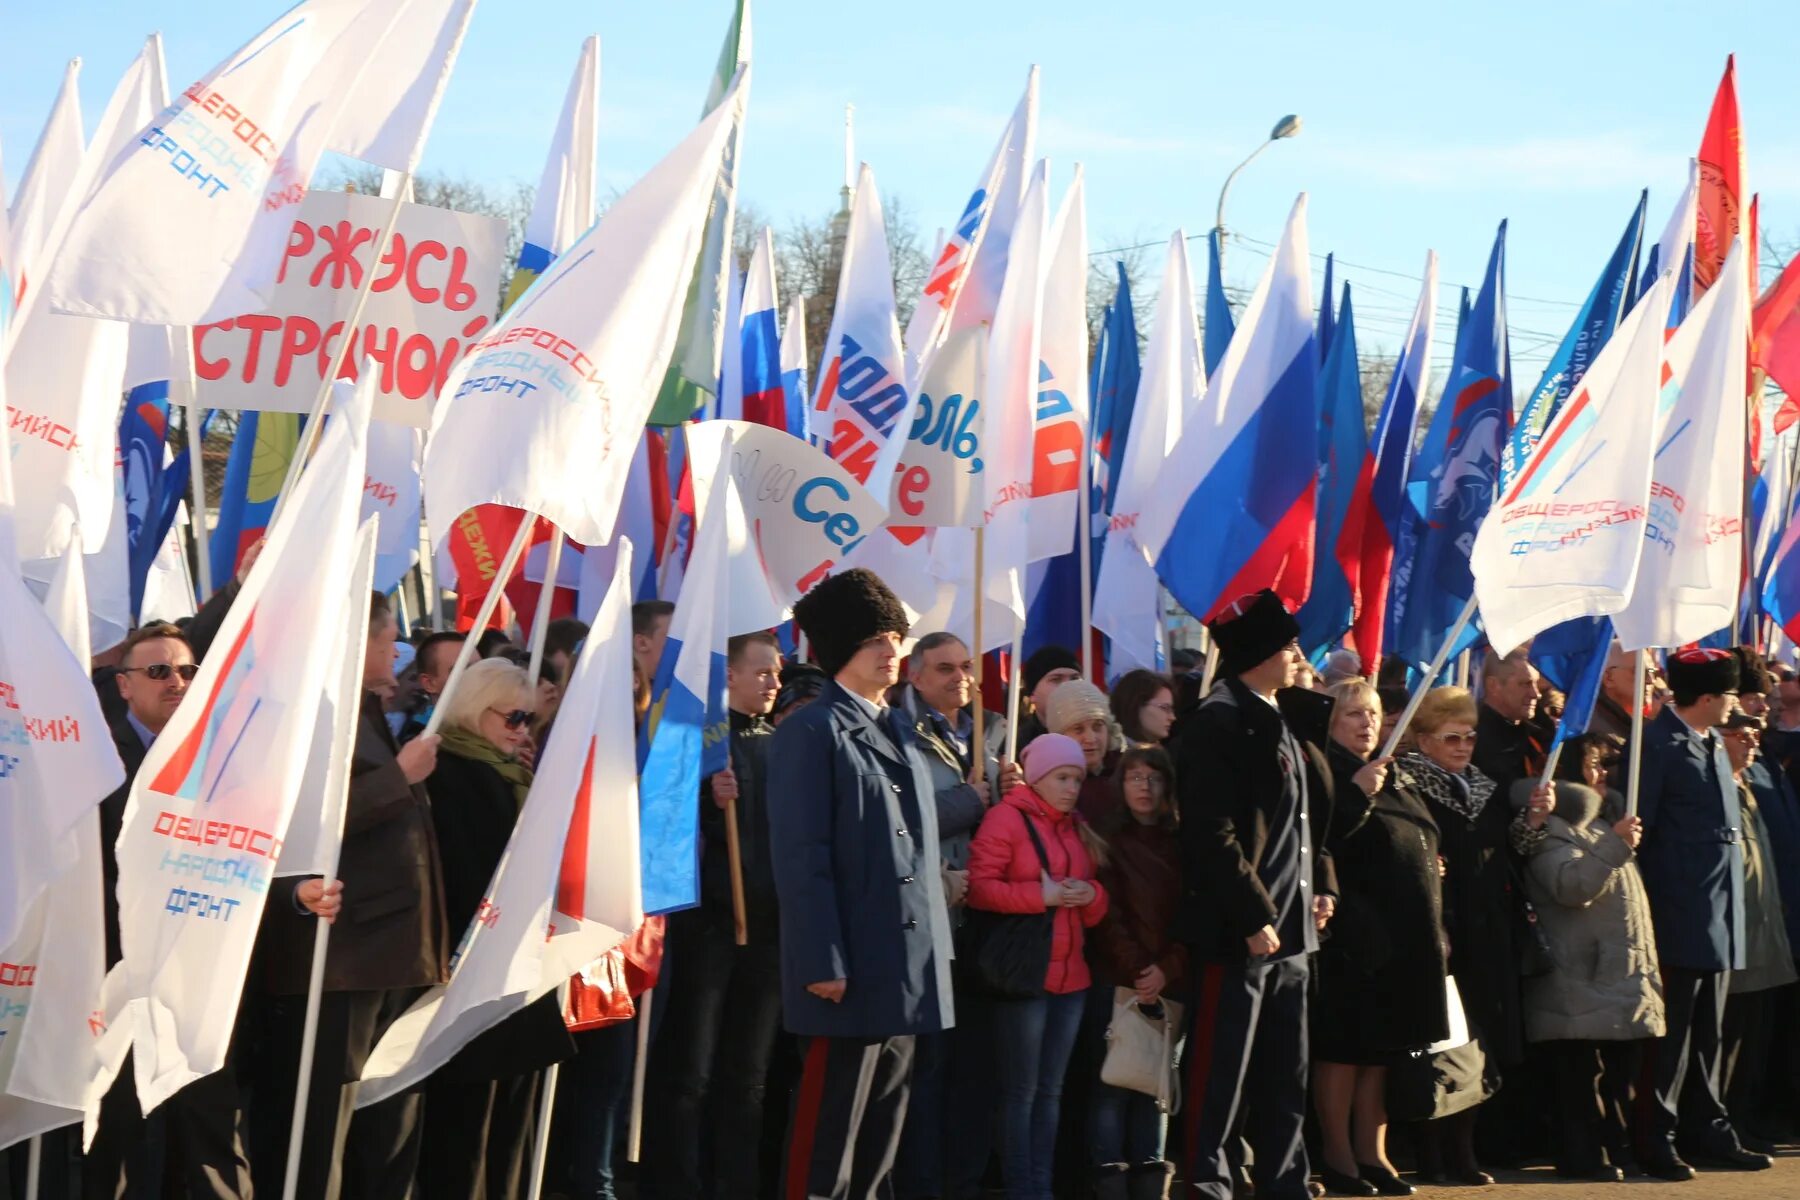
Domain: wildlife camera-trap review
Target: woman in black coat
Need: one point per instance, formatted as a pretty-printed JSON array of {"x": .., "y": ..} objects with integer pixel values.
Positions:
[
  {"x": 480, "y": 1107},
  {"x": 1380, "y": 973}
]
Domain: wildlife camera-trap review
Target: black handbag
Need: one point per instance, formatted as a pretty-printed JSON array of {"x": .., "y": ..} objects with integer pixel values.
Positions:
[{"x": 1007, "y": 955}]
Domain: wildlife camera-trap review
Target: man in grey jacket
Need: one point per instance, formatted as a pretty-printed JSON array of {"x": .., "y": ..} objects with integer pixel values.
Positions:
[{"x": 945, "y": 1145}]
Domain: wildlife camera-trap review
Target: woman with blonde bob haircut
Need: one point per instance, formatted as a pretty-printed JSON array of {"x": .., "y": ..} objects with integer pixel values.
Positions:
[{"x": 482, "y": 1101}]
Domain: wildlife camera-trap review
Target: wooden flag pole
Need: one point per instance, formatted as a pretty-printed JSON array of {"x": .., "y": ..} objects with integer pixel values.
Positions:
[
  {"x": 540, "y": 621},
  {"x": 634, "y": 1138},
  {"x": 734, "y": 852},
  {"x": 1210, "y": 670},
  {"x": 488, "y": 604},
  {"x": 1431, "y": 673},
  {"x": 979, "y": 750},
  {"x": 1091, "y": 668},
  {"x": 1637, "y": 737},
  {"x": 309, "y": 437},
  {"x": 34, "y": 1167},
  {"x": 980, "y": 740}
]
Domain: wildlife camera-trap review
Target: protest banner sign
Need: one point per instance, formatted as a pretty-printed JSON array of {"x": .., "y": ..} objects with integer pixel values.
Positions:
[{"x": 434, "y": 294}]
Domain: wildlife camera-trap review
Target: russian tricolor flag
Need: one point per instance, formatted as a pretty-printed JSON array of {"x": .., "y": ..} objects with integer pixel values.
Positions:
[
  {"x": 1365, "y": 547},
  {"x": 1247, "y": 482},
  {"x": 751, "y": 385}
]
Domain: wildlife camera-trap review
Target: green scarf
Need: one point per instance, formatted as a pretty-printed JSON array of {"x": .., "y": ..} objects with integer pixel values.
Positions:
[{"x": 464, "y": 744}]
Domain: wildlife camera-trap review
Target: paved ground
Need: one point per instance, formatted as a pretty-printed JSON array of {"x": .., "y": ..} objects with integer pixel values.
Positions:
[{"x": 1782, "y": 1183}]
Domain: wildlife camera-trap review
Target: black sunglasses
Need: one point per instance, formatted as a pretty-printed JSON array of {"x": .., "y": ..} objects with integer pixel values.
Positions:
[
  {"x": 161, "y": 671},
  {"x": 518, "y": 718}
]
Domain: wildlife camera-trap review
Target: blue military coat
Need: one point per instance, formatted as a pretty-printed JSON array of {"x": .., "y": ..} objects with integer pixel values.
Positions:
[
  {"x": 1692, "y": 857},
  {"x": 853, "y": 833}
]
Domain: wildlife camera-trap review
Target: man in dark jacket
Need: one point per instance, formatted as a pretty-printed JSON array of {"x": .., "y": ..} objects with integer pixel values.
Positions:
[
  {"x": 1258, "y": 889},
  {"x": 1692, "y": 861},
  {"x": 1507, "y": 747},
  {"x": 865, "y": 934},
  {"x": 724, "y": 1015},
  {"x": 202, "y": 1123},
  {"x": 391, "y": 943}
]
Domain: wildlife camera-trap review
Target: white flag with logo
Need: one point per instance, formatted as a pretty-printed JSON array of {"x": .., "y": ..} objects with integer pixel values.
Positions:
[
  {"x": 1566, "y": 537},
  {"x": 1173, "y": 381},
  {"x": 1062, "y": 392},
  {"x": 57, "y": 1057},
  {"x": 567, "y": 888},
  {"x": 1688, "y": 585},
  {"x": 189, "y": 223},
  {"x": 210, "y": 807},
  {"x": 391, "y": 492},
  {"x": 545, "y": 412}
]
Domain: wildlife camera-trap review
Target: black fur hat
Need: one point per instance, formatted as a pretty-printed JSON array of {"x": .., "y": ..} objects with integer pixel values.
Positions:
[
  {"x": 1252, "y": 630},
  {"x": 846, "y": 610},
  {"x": 1698, "y": 672}
]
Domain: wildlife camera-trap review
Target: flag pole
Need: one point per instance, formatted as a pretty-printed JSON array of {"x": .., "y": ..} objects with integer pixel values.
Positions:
[
  {"x": 734, "y": 853},
  {"x": 1210, "y": 670},
  {"x": 979, "y": 750},
  {"x": 980, "y": 739},
  {"x": 315, "y": 983},
  {"x": 34, "y": 1166},
  {"x": 190, "y": 382},
  {"x": 634, "y": 1138},
  {"x": 1084, "y": 550},
  {"x": 1637, "y": 737},
  {"x": 1431, "y": 673},
  {"x": 488, "y": 604},
  {"x": 540, "y": 621},
  {"x": 309, "y": 437},
  {"x": 540, "y": 1150}
]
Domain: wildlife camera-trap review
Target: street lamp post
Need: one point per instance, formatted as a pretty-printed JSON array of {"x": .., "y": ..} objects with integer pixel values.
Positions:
[{"x": 1287, "y": 127}]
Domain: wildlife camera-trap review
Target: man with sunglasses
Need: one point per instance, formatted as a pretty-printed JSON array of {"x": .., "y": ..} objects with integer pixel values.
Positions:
[
  {"x": 201, "y": 1123},
  {"x": 1692, "y": 861}
]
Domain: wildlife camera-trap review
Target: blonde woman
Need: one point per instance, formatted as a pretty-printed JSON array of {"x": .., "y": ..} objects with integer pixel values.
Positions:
[
  {"x": 479, "y": 1106},
  {"x": 1079, "y": 710}
]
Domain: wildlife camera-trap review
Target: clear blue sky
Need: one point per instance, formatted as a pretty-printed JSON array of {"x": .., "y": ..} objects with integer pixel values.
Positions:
[{"x": 1426, "y": 123}]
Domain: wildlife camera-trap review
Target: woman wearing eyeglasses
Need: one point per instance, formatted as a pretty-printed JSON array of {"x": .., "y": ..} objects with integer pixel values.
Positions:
[
  {"x": 479, "y": 1107},
  {"x": 1132, "y": 949},
  {"x": 1380, "y": 974},
  {"x": 1143, "y": 703},
  {"x": 1473, "y": 841}
]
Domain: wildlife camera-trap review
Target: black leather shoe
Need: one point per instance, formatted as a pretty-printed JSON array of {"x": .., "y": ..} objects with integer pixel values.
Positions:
[
  {"x": 1756, "y": 1145},
  {"x": 1597, "y": 1173},
  {"x": 1734, "y": 1158},
  {"x": 1339, "y": 1184},
  {"x": 1384, "y": 1181},
  {"x": 1668, "y": 1166},
  {"x": 1468, "y": 1177}
]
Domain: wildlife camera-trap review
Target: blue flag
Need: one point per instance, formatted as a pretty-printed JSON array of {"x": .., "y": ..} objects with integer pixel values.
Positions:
[
  {"x": 1606, "y": 303},
  {"x": 1573, "y": 657},
  {"x": 1220, "y": 324},
  {"x": 1114, "y": 388},
  {"x": 1343, "y": 437},
  {"x": 1454, "y": 476}
]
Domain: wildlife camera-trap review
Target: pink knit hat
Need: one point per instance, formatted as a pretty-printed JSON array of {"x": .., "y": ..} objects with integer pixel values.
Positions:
[{"x": 1049, "y": 751}]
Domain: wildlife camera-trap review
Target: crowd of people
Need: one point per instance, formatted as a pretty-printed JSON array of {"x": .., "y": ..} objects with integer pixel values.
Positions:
[{"x": 1164, "y": 933}]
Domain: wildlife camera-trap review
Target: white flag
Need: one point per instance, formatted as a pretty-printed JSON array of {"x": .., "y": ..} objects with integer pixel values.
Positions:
[
  {"x": 1173, "y": 382},
  {"x": 48, "y": 184},
  {"x": 545, "y": 413},
  {"x": 1010, "y": 388},
  {"x": 793, "y": 365},
  {"x": 189, "y": 223},
  {"x": 57, "y": 1059},
  {"x": 1566, "y": 537},
  {"x": 1688, "y": 585},
  {"x": 567, "y": 888},
  {"x": 862, "y": 408},
  {"x": 391, "y": 492},
  {"x": 565, "y": 205},
  {"x": 57, "y": 760},
  {"x": 964, "y": 283},
  {"x": 210, "y": 807},
  {"x": 1062, "y": 396},
  {"x": 64, "y": 374}
]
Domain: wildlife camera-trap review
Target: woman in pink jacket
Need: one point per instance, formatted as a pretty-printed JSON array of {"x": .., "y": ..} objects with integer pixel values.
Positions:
[{"x": 1007, "y": 875}]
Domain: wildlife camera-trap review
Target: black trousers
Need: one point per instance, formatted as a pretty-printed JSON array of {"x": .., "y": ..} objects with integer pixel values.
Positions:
[
  {"x": 1248, "y": 1051},
  {"x": 1686, "y": 1079},
  {"x": 848, "y": 1113},
  {"x": 1746, "y": 1056},
  {"x": 367, "y": 1155},
  {"x": 202, "y": 1125},
  {"x": 710, "y": 1068},
  {"x": 478, "y": 1136},
  {"x": 1593, "y": 1099}
]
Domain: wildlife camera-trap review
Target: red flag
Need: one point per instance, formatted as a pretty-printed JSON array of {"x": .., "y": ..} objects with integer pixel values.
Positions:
[
  {"x": 1721, "y": 182},
  {"x": 1775, "y": 340}
]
